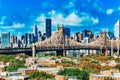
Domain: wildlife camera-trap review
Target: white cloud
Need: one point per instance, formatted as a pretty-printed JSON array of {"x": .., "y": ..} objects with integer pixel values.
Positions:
[
  {"x": 19, "y": 33},
  {"x": 71, "y": 5},
  {"x": 41, "y": 22},
  {"x": 15, "y": 25},
  {"x": 119, "y": 8},
  {"x": 18, "y": 25},
  {"x": 71, "y": 20},
  {"x": 98, "y": 5},
  {"x": 52, "y": 13},
  {"x": 109, "y": 11},
  {"x": 105, "y": 29},
  {"x": 74, "y": 20},
  {"x": 2, "y": 20},
  {"x": 5, "y": 27},
  {"x": 41, "y": 18},
  {"x": 95, "y": 20},
  {"x": 10, "y": 30}
]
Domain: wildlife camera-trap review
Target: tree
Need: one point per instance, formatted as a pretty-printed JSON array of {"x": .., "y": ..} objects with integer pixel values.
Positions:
[
  {"x": 109, "y": 79},
  {"x": 95, "y": 70},
  {"x": 40, "y": 76},
  {"x": 14, "y": 65},
  {"x": 67, "y": 63},
  {"x": 117, "y": 66},
  {"x": 80, "y": 74},
  {"x": 6, "y": 58}
]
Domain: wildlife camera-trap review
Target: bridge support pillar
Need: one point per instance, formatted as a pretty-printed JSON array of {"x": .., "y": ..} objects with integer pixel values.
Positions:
[
  {"x": 64, "y": 52},
  {"x": 33, "y": 50},
  {"x": 106, "y": 52},
  {"x": 59, "y": 53}
]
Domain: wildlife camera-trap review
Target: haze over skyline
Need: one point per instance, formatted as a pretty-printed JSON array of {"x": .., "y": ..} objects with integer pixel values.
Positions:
[{"x": 19, "y": 16}]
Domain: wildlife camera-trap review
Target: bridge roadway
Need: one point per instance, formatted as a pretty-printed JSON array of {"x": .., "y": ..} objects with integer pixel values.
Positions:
[{"x": 51, "y": 48}]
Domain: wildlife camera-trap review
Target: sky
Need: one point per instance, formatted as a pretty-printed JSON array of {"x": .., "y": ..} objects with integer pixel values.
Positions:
[{"x": 19, "y": 16}]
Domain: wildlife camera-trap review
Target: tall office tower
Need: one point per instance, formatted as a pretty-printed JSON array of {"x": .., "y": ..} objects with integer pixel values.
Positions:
[
  {"x": 75, "y": 37},
  {"x": 39, "y": 36},
  {"x": 35, "y": 32},
  {"x": 26, "y": 40},
  {"x": 87, "y": 33},
  {"x": 5, "y": 39},
  {"x": 80, "y": 37},
  {"x": 67, "y": 31},
  {"x": 117, "y": 29},
  {"x": 43, "y": 37},
  {"x": 30, "y": 38},
  {"x": 19, "y": 43},
  {"x": 48, "y": 28},
  {"x": 22, "y": 40},
  {"x": 13, "y": 39}
]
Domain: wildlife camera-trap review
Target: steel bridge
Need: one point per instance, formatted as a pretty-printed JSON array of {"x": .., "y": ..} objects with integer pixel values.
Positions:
[{"x": 59, "y": 42}]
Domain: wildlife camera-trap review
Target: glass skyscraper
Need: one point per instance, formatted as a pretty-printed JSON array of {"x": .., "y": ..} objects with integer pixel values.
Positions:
[
  {"x": 48, "y": 28},
  {"x": 35, "y": 32},
  {"x": 67, "y": 31},
  {"x": 117, "y": 29},
  {"x": 5, "y": 39}
]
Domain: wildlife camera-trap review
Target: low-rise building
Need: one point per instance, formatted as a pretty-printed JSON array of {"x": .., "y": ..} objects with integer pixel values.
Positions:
[
  {"x": 19, "y": 77},
  {"x": 107, "y": 74},
  {"x": 59, "y": 77},
  {"x": 49, "y": 70},
  {"x": 13, "y": 76},
  {"x": 98, "y": 77},
  {"x": 26, "y": 71}
]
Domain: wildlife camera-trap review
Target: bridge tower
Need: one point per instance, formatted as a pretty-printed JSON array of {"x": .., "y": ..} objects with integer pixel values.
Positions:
[
  {"x": 106, "y": 44},
  {"x": 62, "y": 52},
  {"x": 33, "y": 50}
]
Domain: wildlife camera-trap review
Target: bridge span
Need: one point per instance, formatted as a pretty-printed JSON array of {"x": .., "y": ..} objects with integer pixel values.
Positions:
[{"x": 59, "y": 42}]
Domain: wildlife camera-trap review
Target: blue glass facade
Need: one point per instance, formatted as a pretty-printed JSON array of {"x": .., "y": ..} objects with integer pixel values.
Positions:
[
  {"x": 48, "y": 28},
  {"x": 67, "y": 31},
  {"x": 5, "y": 39}
]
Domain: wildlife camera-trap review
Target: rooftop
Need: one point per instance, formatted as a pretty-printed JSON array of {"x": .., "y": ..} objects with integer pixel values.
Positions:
[{"x": 16, "y": 77}]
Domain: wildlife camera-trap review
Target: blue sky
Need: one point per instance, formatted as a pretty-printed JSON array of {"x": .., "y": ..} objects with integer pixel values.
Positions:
[{"x": 19, "y": 16}]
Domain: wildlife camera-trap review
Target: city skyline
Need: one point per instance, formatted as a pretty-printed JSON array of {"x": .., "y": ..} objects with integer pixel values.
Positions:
[{"x": 19, "y": 17}]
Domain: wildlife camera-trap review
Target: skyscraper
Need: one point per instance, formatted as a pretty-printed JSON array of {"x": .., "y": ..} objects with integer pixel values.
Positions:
[
  {"x": 117, "y": 29},
  {"x": 27, "y": 39},
  {"x": 48, "y": 28},
  {"x": 5, "y": 39},
  {"x": 35, "y": 32},
  {"x": 67, "y": 31},
  {"x": 13, "y": 39},
  {"x": 39, "y": 36}
]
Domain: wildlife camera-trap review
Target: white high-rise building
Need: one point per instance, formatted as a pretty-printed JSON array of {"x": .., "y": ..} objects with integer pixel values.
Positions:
[{"x": 117, "y": 29}]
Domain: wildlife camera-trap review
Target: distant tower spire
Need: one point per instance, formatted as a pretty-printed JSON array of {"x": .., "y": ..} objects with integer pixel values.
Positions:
[{"x": 35, "y": 32}]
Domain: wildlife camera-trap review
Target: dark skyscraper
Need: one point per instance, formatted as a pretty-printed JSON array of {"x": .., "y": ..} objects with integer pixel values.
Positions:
[
  {"x": 67, "y": 31},
  {"x": 48, "y": 28},
  {"x": 35, "y": 32}
]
